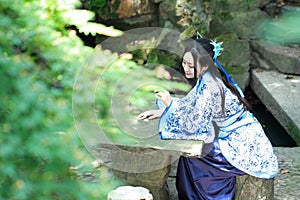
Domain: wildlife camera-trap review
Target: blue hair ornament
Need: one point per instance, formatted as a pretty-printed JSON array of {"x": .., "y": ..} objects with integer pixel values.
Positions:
[
  {"x": 217, "y": 51},
  {"x": 198, "y": 36},
  {"x": 217, "y": 48}
]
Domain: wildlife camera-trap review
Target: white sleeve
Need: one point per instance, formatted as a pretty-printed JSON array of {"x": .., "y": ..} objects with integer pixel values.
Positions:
[{"x": 189, "y": 118}]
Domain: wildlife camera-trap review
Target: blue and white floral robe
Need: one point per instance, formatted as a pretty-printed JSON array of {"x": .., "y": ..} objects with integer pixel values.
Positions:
[{"x": 241, "y": 138}]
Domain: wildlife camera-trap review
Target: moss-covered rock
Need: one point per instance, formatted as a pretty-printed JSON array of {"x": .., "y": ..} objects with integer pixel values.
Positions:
[{"x": 243, "y": 24}]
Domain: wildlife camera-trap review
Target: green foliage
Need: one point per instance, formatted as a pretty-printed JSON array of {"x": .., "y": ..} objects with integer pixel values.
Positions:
[
  {"x": 249, "y": 3},
  {"x": 152, "y": 57},
  {"x": 157, "y": 56},
  {"x": 39, "y": 58},
  {"x": 140, "y": 55},
  {"x": 96, "y": 5},
  {"x": 223, "y": 13},
  {"x": 235, "y": 69}
]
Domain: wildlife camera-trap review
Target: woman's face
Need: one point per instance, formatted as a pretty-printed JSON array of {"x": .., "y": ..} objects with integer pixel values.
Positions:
[
  {"x": 189, "y": 68},
  {"x": 188, "y": 65}
]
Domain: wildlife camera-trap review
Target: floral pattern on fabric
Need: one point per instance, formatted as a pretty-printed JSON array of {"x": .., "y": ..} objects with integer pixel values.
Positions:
[
  {"x": 186, "y": 119},
  {"x": 248, "y": 149},
  {"x": 244, "y": 144}
]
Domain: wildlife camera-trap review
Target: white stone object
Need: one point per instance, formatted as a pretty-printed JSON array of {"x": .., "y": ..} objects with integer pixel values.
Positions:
[{"x": 130, "y": 193}]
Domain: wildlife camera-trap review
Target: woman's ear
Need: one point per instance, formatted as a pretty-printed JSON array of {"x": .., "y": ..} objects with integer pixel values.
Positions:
[{"x": 204, "y": 68}]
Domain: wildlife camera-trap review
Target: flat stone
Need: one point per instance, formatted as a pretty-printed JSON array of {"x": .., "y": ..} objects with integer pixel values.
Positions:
[
  {"x": 280, "y": 93},
  {"x": 287, "y": 182}
]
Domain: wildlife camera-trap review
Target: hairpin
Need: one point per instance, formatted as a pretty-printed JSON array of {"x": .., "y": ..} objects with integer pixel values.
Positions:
[
  {"x": 198, "y": 36},
  {"x": 217, "y": 48}
]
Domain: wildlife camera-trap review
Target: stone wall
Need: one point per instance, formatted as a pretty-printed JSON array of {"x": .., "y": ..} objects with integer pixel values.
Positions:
[{"x": 236, "y": 22}]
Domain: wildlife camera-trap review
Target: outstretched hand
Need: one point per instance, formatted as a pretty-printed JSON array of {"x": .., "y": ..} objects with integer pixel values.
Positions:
[
  {"x": 165, "y": 97},
  {"x": 150, "y": 114}
]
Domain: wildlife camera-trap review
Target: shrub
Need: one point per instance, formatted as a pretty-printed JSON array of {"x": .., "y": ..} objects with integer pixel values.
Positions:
[{"x": 39, "y": 58}]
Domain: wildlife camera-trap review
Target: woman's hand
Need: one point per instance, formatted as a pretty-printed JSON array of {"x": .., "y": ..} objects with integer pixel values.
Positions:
[
  {"x": 150, "y": 114},
  {"x": 164, "y": 96}
]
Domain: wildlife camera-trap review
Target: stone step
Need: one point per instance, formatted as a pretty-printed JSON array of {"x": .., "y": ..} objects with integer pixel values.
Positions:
[{"x": 280, "y": 94}]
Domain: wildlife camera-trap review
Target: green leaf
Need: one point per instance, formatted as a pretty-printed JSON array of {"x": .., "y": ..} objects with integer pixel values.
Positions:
[{"x": 95, "y": 28}]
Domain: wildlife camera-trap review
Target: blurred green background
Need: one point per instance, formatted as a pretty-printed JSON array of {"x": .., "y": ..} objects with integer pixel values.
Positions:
[
  {"x": 40, "y": 54},
  {"x": 41, "y": 155}
]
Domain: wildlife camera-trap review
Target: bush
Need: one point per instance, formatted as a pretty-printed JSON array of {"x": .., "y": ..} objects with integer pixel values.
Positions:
[{"x": 39, "y": 58}]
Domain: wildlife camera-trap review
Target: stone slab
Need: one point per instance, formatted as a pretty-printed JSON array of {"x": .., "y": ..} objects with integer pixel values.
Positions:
[
  {"x": 287, "y": 181},
  {"x": 280, "y": 93}
]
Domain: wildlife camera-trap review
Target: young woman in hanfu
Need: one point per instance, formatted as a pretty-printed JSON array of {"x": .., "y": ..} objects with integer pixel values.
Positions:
[{"x": 216, "y": 112}]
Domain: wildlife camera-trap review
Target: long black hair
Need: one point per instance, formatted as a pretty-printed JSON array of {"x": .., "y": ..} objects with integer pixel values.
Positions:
[{"x": 203, "y": 52}]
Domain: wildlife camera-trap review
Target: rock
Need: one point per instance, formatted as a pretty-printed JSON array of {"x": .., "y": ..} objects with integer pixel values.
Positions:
[
  {"x": 154, "y": 180},
  {"x": 282, "y": 58},
  {"x": 128, "y": 14},
  {"x": 167, "y": 14},
  {"x": 287, "y": 182},
  {"x": 231, "y": 23},
  {"x": 119, "y": 9},
  {"x": 236, "y": 61},
  {"x": 280, "y": 94},
  {"x": 237, "y": 5},
  {"x": 250, "y": 187}
]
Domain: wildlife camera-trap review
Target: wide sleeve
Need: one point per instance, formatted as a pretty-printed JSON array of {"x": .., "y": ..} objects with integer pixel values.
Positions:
[{"x": 189, "y": 118}]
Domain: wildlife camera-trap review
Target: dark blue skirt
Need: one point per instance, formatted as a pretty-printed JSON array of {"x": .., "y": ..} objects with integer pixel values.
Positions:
[{"x": 209, "y": 177}]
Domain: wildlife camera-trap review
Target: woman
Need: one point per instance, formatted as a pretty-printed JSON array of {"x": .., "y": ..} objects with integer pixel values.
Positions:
[{"x": 216, "y": 112}]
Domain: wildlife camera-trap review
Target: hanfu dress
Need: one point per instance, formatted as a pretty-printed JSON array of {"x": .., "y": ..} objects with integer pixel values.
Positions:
[{"x": 236, "y": 142}]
